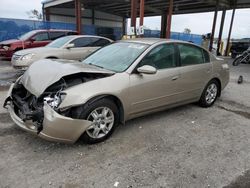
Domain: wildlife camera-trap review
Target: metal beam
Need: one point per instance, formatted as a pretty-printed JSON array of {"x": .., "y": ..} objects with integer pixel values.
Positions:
[
  {"x": 221, "y": 31},
  {"x": 78, "y": 16},
  {"x": 124, "y": 26},
  {"x": 229, "y": 33},
  {"x": 213, "y": 27},
  {"x": 133, "y": 13},
  {"x": 142, "y": 3},
  {"x": 169, "y": 18},
  {"x": 163, "y": 25}
]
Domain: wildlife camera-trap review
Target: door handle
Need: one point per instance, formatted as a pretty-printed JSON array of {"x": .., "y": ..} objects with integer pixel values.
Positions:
[
  {"x": 175, "y": 78},
  {"x": 208, "y": 70}
]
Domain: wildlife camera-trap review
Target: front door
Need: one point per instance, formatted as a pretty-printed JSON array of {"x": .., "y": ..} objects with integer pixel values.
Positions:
[
  {"x": 148, "y": 92},
  {"x": 39, "y": 40},
  {"x": 82, "y": 48}
]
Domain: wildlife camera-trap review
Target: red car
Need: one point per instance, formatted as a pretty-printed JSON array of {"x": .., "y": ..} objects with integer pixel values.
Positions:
[{"x": 32, "y": 39}]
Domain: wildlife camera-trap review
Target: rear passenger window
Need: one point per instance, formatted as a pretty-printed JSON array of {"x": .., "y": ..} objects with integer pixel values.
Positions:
[
  {"x": 72, "y": 33},
  {"x": 190, "y": 55},
  {"x": 161, "y": 57},
  {"x": 206, "y": 56},
  {"x": 82, "y": 42},
  {"x": 56, "y": 35},
  {"x": 99, "y": 42}
]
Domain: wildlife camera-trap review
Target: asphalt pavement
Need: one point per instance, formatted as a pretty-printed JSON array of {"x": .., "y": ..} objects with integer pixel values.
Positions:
[{"x": 188, "y": 146}]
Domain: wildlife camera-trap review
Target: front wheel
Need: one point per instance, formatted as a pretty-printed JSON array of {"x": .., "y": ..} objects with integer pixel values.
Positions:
[
  {"x": 237, "y": 61},
  {"x": 209, "y": 94},
  {"x": 104, "y": 117}
]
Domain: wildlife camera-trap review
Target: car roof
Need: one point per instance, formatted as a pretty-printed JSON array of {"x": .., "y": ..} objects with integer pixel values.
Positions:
[
  {"x": 95, "y": 36},
  {"x": 151, "y": 41},
  {"x": 64, "y": 30}
]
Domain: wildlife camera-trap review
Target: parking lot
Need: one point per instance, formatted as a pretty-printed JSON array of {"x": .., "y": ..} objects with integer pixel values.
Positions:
[{"x": 188, "y": 146}]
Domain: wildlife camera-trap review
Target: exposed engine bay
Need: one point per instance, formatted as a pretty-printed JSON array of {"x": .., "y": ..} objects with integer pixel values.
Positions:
[{"x": 28, "y": 107}]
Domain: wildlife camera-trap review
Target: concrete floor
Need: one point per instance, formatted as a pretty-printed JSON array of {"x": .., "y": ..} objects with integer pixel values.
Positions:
[{"x": 187, "y": 146}]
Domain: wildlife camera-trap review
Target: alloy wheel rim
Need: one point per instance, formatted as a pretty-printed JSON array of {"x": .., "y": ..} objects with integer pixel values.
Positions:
[
  {"x": 211, "y": 93},
  {"x": 102, "y": 119}
]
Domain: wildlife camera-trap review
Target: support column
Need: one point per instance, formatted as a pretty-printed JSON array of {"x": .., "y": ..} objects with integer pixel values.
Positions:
[
  {"x": 229, "y": 34},
  {"x": 124, "y": 26},
  {"x": 213, "y": 27},
  {"x": 142, "y": 8},
  {"x": 163, "y": 25},
  {"x": 133, "y": 14},
  {"x": 78, "y": 16},
  {"x": 221, "y": 31},
  {"x": 93, "y": 16},
  {"x": 169, "y": 18},
  {"x": 46, "y": 14}
]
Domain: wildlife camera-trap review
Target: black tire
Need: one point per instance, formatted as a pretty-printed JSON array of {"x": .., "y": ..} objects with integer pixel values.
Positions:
[
  {"x": 233, "y": 55},
  {"x": 203, "y": 102},
  {"x": 237, "y": 60},
  {"x": 86, "y": 110}
]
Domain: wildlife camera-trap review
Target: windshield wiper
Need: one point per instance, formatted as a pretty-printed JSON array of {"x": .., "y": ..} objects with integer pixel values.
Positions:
[{"x": 96, "y": 65}]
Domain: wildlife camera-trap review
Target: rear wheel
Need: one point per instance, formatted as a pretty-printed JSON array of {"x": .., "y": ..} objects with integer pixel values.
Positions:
[
  {"x": 104, "y": 117},
  {"x": 209, "y": 94}
]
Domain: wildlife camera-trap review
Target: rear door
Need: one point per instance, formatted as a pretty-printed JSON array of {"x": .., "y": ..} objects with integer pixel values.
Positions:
[
  {"x": 148, "y": 92},
  {"x": 56, "y": 34},
  {"x": 195, "y": 70}
]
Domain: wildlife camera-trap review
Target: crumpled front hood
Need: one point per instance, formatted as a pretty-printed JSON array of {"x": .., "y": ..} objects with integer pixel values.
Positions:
[
  {"x": 11, "y": 41},
  {"x": 42, "y": 74}
]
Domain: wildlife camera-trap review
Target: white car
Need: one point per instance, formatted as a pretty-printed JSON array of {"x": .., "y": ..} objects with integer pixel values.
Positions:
[{"x": 75, "y": 47}]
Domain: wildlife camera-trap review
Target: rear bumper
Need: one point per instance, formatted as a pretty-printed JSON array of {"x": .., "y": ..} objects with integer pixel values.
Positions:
[{"x": 55, "y": 127}]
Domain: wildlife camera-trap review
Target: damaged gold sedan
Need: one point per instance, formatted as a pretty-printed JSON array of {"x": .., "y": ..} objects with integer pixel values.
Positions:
[{"x": 63, "y": 101}]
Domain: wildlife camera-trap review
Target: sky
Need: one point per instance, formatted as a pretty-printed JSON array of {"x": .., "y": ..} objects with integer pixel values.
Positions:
[{"x": 198, "y": 23}]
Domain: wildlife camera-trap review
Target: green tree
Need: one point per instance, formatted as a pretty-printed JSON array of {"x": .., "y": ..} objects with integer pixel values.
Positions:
[{"x": 35, "y": 14}]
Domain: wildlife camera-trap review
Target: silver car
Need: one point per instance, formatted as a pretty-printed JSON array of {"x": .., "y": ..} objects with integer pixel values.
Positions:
[
  {"x": 63, "y": 101},
  {"x": 75, "y": 47}
]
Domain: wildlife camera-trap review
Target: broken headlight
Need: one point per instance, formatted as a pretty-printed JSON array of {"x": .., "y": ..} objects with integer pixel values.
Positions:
[{"x": 54, "y": 100}]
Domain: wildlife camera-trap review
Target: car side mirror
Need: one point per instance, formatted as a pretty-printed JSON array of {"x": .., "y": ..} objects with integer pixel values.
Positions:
[
  {"x": 32, "y": 40},
  {"x": 71, "y": 45},
  {"x": 147, "y": 69}
]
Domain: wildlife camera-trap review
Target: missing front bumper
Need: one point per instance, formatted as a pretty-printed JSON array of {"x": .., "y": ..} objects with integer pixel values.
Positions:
[{"x": 55, "y": 126}]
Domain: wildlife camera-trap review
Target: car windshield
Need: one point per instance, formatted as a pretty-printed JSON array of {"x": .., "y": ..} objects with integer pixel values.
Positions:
[
  {"x": 58, "y": 43},
  {"x": 116, "y": 57},
  {"x": 27, "y": 35}
]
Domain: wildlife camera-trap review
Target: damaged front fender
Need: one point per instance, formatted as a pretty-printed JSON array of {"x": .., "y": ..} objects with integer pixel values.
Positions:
[{"x": 60, "y": 128}]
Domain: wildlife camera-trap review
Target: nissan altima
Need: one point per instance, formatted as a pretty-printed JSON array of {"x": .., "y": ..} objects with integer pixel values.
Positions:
[{"x": 87, "y": 100}]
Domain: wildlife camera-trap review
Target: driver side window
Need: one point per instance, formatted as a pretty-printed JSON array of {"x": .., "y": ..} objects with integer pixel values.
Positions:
[
  {"x": 41, "y": 37},
  {"x": 161, "y": 57}
]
